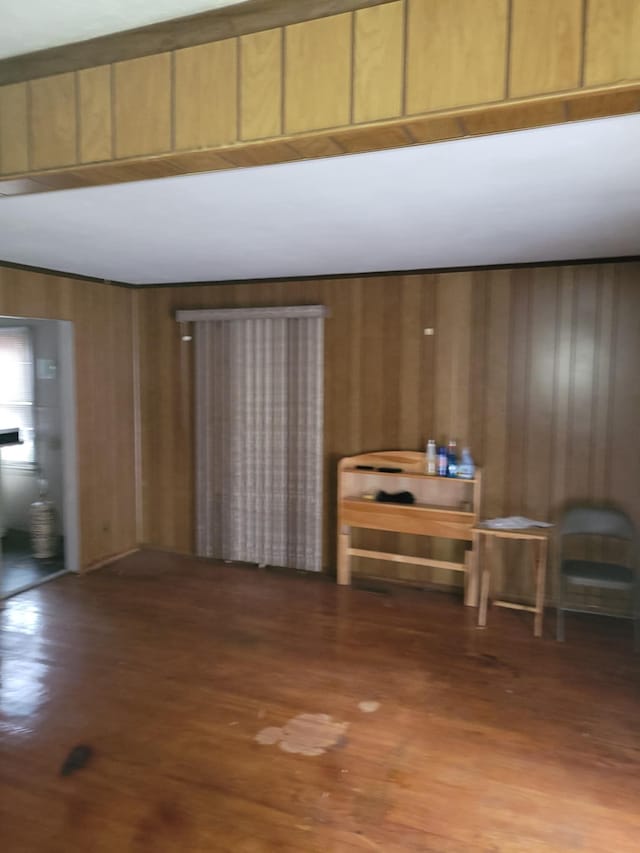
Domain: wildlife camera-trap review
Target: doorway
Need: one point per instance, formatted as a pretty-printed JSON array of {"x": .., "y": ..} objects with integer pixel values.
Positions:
[
  {"x": 259, "y": 421},
  {"x": 38, "y": 472}
]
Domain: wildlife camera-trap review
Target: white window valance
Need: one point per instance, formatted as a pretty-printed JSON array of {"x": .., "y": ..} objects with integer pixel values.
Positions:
[{"x": 284, "y": 312}]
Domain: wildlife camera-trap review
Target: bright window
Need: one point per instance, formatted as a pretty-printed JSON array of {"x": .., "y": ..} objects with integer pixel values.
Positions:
[{"x": 16, "y": 391}]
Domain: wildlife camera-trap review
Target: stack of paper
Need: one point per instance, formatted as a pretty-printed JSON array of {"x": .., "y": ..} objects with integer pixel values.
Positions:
[{"x": 513, "y": 522}]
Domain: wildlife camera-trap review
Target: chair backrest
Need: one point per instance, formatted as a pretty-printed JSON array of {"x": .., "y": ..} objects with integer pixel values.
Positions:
[{"x": 597, "y": 521}]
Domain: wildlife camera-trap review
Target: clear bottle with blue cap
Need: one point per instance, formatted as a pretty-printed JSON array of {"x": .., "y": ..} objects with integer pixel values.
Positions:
[{"x": 466, "y": 468}]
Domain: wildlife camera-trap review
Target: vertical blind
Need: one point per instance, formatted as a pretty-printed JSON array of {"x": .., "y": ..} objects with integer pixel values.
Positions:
[
  {"x": 259, "y": 408},
  {"x": 16, "y": 391}
]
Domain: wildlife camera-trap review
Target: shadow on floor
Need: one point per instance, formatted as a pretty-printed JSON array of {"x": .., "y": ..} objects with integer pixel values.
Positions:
[{"x": 19, "y": 567}]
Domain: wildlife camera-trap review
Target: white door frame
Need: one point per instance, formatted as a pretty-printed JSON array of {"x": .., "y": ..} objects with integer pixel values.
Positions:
[{"x": 69, "y": 419}]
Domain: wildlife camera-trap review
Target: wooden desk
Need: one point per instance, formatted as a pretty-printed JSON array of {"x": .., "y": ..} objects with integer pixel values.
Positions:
[
  {"x": 539, "y": 539},
  {"x": 445, "y": 507}
]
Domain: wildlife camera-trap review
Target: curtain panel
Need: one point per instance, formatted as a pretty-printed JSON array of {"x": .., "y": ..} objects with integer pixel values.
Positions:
[{"x": 259, "y": 411}]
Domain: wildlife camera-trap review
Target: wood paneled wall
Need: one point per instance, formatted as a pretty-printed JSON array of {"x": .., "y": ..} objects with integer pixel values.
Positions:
[
  {"x": 535, "y": 369},
  {"x": 103, "y": 327},
  {"x": 395, "y": 74}
]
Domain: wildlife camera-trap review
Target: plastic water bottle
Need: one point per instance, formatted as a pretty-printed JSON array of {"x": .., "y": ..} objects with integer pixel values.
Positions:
[
  {"x": 452, "y": 460},
  {"x": 443, "y": 462},
  {"x": 432, "y": 463},
  {"x": 466, "y": 469}
]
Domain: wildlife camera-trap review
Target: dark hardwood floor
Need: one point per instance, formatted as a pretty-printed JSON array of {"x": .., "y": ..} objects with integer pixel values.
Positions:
[{"x": 170, "y": 670}]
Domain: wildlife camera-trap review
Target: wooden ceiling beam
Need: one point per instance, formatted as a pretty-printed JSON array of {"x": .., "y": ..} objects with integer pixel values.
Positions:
[
  {"x": 251, "y": 16},
  {"x": 436, "y": 127}
]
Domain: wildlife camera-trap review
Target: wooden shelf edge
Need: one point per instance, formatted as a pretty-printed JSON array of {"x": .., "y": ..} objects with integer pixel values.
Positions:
[
  {"x": 417, "y": 507},
  {"x": 409, "y": 474}
]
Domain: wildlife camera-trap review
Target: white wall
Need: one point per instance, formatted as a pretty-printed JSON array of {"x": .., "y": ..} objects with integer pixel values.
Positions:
[
  {"x": 19, "y": 489},
  {"x": 20, "y": 486}
]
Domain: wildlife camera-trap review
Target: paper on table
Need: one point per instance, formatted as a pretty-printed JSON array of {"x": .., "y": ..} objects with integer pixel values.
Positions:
[{"x": 513, "y": 522}]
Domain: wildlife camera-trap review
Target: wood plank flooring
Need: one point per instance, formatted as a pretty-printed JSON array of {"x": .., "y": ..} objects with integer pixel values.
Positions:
[{"x": 168, "y": 668}]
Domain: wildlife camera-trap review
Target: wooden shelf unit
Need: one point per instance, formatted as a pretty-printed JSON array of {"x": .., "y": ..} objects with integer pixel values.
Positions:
[{"x": 445, "y": 507}]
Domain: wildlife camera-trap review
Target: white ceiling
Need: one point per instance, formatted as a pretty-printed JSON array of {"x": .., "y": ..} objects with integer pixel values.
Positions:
[
  {"x": 558, "y": 193},
  {"x": 28, "y": 25}
]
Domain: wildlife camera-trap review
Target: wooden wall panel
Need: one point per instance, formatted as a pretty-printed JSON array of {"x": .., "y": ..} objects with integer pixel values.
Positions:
[
  {"x": 379, "y": 303},
  {"x": 540, "y": 391},
  {"x": 623, "y": 447},
  {"x": 261, "y": 85},
  {"x": 206, "y": 95},
  {"x": 581, "y": 388},
  {"x": 105, "y": 419},
  {"x": 451, "y": 380},
  {"x": 455, "y": 53},
  {"x": 104, "y": 387},
  {"x": 166, "y": 389},
  {"x": 491, "y": 383},
  {"x": 515, "y": 469},
  {"x": 612, "y": 41},
  {"x": 546, "y": 46},
  {"x": 416, "y": 361},
  {"x": 560, "y": 446},
  {"x": 53, "y": 121},
  {"x": 605, "y": 364},
  {"x": 94, "y": 119},
  {"x": 142, "y": 97},
  {"x": 318, "y": 74},
  {"x": 378, "y": 62},
  {"x": 343, "y": 337},
  {"x": 452, "y": 375},
  {"x": 534, "y": 368},
  {"x": 14, "y": 129}
]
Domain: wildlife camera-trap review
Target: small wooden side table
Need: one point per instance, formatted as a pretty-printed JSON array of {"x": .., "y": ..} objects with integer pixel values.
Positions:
[{"x": 539, "y": 539}]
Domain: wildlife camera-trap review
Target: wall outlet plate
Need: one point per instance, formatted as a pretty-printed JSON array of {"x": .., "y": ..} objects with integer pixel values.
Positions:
[{"x": 46, "y": 368}]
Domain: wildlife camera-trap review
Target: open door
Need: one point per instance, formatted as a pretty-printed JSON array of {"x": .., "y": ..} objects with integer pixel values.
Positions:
[{"x": 38, "y": 465}]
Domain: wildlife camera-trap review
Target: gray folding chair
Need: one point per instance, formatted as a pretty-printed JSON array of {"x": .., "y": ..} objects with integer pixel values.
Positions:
[{"x": 609, "y": 524}]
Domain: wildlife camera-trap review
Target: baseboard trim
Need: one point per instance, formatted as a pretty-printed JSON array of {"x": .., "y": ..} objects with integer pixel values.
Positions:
[{"x": 99, "y": 564}]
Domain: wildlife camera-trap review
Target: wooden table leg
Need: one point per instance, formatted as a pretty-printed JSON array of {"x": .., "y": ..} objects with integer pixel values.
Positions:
[
  {"x": 344, "y": 559},
  {"x": 472, "y": 559},
  {"x": 485, "y": 581},
  {"x": 467, "y": 578},
  {"x": 540, "y": 552}
]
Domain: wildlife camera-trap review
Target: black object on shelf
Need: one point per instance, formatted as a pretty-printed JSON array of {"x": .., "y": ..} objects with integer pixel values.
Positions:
[
  {"x": 9, "y": 437},
  {"x": 389, "y": 470},
  {"x": 365, "y": 468},
  {"x": 395, "y": 498}
]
